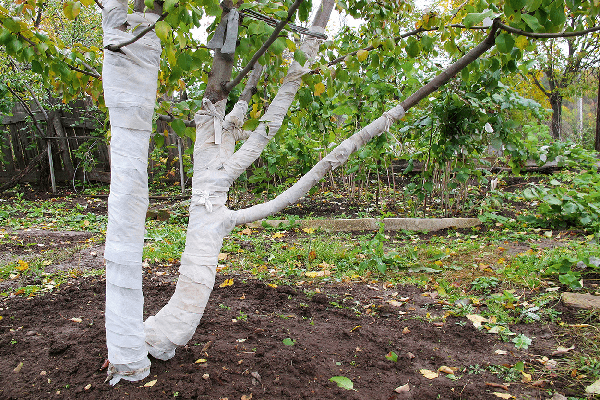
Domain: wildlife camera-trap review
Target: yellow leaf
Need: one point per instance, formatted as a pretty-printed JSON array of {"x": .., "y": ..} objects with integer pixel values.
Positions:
[
  {"x": 319, "y": 88},
  {"x": 223, "y": 256},
  {"x": 274, "y": 286},
  {"x": 362, "y": 55},
  {"x": 1, "y": 317},
  {"x": 22, "y": 265},
  {"x": 438, "y": 263},
  {"x": 503, "y": 395},
  {"x": 247, "y": 231},
  {"x": 200, "y": 361},
  {"x": 428, "y": 373},
  {"x": 526, "y": 377},
  {"x": 521, "y": 42},
  {"x": 308, "y": 230},
  {"x": 476, "y": 319},
  {"x": 278, "y": 235},
  {"x": 447, "y": 370},
  {"x": 150, "y": 384},
  {"x": 74, "y": 319},
  {"x": 226, "y": 282}
]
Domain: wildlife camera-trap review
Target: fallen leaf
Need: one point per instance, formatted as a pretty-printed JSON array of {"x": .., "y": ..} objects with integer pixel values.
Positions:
[
  {"x": 200, "y": 361},
  {"x": 22, "y": 265},
  {"x": 526, "y": 377},
  {"x": 18, "y": 368},
  {"x": 150, "y": 384},
  {"x": 447, "y": 370},
  {"x": 497, "y": 385},
  {"x": 405, "y": 330},
  {"x": 428, "y": 373},
  {"x": 278, "y": 235},
  {"x": 308, "y": 230},
  {"x": 226, "y": 282},
  {"x": 205, "y": 377},
  {"x": 244, "y": 397},
  {"x": 343, "y": 382},
  {"x": 289, "y": 342},
  {"x": 476, "y": 319},
  {"x": 501, "y": 352},
  {"x": 74, "y": 319},
  {"x": 312, "y": 255},
  {"x": 246, "y": 231},
  {"x": 223, "y": 256},
  {"x": 402, "y": 389},
  {"x": 503, "y": 395},
  {"x": 562, "y": 350},
  {"x": 594, "y": 388},
  {"x": 88, "y": 386},
  {"x": 395, "y": 303}
]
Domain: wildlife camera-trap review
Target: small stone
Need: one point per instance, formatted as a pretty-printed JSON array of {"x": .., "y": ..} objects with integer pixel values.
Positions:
[{"x": 577, "y": 300}]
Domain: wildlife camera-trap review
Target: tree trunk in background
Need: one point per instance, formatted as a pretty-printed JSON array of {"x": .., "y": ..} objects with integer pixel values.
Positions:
[{"x": 555, "y": 126}]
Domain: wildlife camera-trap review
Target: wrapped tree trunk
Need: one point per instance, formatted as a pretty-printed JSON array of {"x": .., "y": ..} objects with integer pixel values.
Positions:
[
  {"x": 215, "y": 168},
  {"x": 130, "y": 81}
]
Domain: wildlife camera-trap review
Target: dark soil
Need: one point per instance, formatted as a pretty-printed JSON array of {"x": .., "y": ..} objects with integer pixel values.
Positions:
[{"x": 241, "y": 338}]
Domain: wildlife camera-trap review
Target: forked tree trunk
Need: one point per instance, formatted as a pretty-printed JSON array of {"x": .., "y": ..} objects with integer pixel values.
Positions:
[{"x": 216, "y": 166}]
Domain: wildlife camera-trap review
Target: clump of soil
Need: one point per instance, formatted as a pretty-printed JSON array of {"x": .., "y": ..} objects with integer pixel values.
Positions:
[{"x": 261, "y": 341}]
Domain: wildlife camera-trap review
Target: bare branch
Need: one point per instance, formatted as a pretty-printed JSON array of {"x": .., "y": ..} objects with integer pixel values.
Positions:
[
  {"x": 233, "y": 83},
  {"x": 26, "y": 106},
  {"x": 251, "y": 83},
  {"x": 539, "y": 85},
  {"x": 141, "y": 34},
  {"x": 547, "y": 35},
  {"x": 99, "y": 4}
]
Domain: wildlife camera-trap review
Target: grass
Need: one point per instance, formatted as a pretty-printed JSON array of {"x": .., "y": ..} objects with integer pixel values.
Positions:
[{"x": 508, "y": 270}]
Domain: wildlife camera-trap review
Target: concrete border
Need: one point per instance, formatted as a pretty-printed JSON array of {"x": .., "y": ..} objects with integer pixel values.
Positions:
[{"x": 370, "y": 224}]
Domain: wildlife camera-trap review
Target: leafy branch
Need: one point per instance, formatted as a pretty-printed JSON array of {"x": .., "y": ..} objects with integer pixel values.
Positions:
[
  {"x": 233, "y": 83},
  {"x": 533, "y": 35}
]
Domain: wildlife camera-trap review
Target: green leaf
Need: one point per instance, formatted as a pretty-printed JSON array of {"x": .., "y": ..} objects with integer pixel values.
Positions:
[
  {"x": 11, "y": 25},
  {"x": 392, "y": 356},
  {"x": 532, "y": 22},
  {"x": 476, "y": 18},
  {"x": 179, "y": 127},
  {"x": 412, "y": 47},
  {"x": 362, "y": 55},
  {"x": 343, "y": 382},
  {"x": 521, "y": 341},
  {"x": 71, "y": 9},
  {"x": 162, "y": 29},
  {"x": 300, "y": 57},
  {"x": 149, "y": 4},
  {"x": 288, "y": 342},
  {"x": 505, "y": 42},
  {"x": 169, "y": 5},
  {"x": 533, "y": 5}
]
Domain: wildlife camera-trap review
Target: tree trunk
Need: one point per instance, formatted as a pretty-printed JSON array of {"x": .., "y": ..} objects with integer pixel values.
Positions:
[{"x": 556, "y": 124}]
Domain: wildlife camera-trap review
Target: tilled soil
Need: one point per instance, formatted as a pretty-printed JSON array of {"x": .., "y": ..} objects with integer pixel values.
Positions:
[{"x": 53, "y": 346}]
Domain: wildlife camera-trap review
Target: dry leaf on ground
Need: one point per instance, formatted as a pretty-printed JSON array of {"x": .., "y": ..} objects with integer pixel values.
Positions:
[
  {"x": 428, "y": 373},
  {"x": 402, "y": 389}
]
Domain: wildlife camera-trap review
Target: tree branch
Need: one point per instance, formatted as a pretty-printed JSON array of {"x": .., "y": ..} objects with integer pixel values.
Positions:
[
  {"x": 539, "y": 85},
  {"x": 547, "y": 35},
  {"x": 141, "y": 34},
  {"x": 26, "y": 107},
  {"x": 343, "y": 151},
  {"x": 233, "y": 83}
]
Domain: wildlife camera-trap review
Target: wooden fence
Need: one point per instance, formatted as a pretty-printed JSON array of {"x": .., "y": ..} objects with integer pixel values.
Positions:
[{"x": 67, "y": 140}]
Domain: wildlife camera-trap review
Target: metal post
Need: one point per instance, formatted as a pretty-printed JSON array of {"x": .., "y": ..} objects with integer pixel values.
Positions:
[
  {"x": 51, "y": 165},
  {"x": 181, "y": 171}
]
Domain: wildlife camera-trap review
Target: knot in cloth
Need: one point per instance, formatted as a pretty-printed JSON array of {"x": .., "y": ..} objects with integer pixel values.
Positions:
[
  {"x": 202, "y": 197},
  {"x": 210, "y": 109},
  {"x": 392, "y": 116}
]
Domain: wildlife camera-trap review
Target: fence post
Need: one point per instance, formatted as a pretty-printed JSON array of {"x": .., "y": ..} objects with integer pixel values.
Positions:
[{"x": 51, "y": 166}]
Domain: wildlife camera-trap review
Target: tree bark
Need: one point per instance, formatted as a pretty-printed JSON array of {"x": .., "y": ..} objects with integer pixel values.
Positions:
[{"x": 555, "y": 125}]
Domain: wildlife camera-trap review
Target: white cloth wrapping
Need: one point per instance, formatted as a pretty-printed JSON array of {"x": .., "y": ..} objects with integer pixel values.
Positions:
[{"x": 130, "y": 83}]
